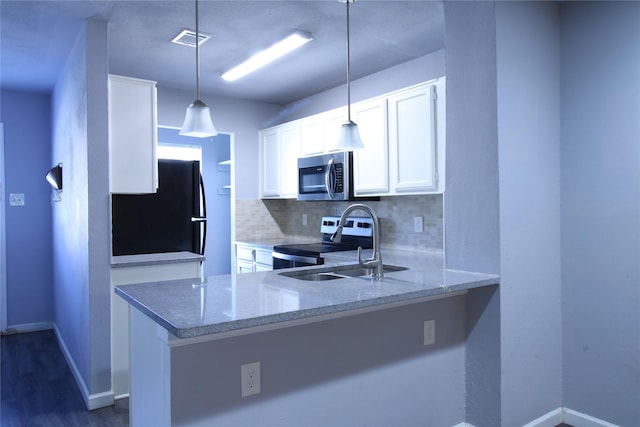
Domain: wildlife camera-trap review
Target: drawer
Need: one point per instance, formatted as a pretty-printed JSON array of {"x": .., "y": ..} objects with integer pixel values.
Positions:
[
  {"x": 264, "y": 258},
  {"x": 244, "y": 267},
  {"x": 245, "y": 253}
]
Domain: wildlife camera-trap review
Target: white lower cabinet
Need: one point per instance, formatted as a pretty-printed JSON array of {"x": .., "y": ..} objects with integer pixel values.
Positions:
[
  {"x": 250, "y": 259},
  {"x": 120, "y": 311}
]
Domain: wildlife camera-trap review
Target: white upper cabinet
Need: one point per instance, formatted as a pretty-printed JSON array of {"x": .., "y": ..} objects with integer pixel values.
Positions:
[
  {"x": 332, "y": 122},
  {"x": 371, "y": 164},
  {"x": 412, "y": 140},
  {"x": 312, "y": 135},
  {"x": 270, "y": 162},
  {"x": 279, "y": 152},
  {"x": 403, "y": 133},
  {"x": 290, "y": 146},
  {"x": 133, "y": 165}
]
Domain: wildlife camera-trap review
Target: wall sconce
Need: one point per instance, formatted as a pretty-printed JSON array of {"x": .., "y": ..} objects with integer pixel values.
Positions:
[{"x": 54, "y": 177}]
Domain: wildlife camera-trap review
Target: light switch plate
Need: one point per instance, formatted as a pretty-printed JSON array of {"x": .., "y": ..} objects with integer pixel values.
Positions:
[{"x": 16, "y": 199}]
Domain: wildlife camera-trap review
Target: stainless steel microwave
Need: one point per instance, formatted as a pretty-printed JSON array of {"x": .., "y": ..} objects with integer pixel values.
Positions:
[{"x": 326, "y": 176}]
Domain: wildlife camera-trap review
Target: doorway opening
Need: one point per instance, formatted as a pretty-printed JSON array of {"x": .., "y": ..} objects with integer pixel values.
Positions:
[{"x": 214, "y": 154}]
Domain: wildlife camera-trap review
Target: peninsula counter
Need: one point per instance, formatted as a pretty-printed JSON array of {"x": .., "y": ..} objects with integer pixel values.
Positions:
[{"x": 210, "y": 321}]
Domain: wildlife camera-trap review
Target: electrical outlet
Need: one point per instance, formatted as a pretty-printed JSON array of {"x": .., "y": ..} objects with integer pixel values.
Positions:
[
  {"x": 250, "y": 378},
  {"x": 429, "y": 332},
  {"x": 418, "y": 224}
]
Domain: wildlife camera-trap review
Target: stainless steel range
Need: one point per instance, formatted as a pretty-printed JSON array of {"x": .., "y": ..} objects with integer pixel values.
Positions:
[{"x": 357, "y": 232}]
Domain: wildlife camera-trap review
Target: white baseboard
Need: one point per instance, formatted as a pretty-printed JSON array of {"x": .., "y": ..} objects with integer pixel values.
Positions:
[
  {"x": 579, "y": 419},
  {"x": 569, "y": 416},
  {"x": 550, "y": 419},
  {"x": 29, "y": 327},
  {"x": 92, "y": 401}
]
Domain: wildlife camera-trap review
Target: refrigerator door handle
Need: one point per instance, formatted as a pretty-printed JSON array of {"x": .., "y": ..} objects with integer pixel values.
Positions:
[{"x": 202, "y": 219}]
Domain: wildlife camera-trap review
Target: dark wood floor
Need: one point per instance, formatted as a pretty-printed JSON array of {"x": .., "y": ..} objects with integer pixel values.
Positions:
[{"x": 37, "y": 388}]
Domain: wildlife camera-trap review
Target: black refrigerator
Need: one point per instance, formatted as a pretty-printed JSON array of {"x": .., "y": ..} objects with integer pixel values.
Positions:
[{"x": 171, "y": 220}]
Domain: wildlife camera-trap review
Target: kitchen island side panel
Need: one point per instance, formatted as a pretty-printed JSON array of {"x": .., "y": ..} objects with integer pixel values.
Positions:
[
  {"x": 150, "y": 382},
  {"x": 368, "y": 369}
]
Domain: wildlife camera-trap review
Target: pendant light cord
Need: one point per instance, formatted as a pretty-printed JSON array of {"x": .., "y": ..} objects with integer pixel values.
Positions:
[
  {"x": 348, "y": 69},
  {"x": 197, "y": 55}
]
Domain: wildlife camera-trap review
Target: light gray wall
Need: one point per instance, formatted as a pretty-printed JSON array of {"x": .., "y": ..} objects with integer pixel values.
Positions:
[
  {"x": 419, "y": 70},
  {"x": 600, "y": 158},
  {"x": 371, "y": 369},
  {"x": 471, "y": 217},
  {"x": 241, "y": 118},
  {"x": 471, "y": 195},
  {"x": 27, "y": 150},
  {"x": 528, "y": 69},
  {"x": 81, "y": 219}
]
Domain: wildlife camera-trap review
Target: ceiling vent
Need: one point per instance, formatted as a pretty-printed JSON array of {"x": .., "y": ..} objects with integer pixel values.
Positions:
[{"x": 187, "y": 37}]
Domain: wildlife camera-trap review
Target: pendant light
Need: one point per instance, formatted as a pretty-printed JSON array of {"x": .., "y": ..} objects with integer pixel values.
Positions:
[
  {"x": 349, "y": 138},
  {"x": 197, "y": 121}
]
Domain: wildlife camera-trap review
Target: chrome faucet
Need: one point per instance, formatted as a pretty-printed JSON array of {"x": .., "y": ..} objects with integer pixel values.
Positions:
[{"x": 376, "y": 261}]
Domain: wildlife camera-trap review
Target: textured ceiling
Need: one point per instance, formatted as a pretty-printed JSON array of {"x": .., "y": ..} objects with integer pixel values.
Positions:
[{"x": 36, "y": 36}]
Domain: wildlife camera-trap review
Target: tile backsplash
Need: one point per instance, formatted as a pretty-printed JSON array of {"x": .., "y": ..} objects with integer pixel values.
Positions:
[{"x": 275, "y": 219}]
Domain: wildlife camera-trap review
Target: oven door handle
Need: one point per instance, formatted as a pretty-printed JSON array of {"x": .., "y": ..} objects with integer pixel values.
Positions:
[
  {"x": 299, "y": 258},
  {"x": 330, "y": 179}
]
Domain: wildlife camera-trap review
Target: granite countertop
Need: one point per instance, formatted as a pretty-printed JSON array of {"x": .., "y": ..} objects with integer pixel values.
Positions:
[
  {"x": 232, "y": 303},
  {"x": 157, "y": 258}
]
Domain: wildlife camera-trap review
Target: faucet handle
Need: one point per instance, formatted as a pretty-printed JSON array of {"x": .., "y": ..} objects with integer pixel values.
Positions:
[{"x": 364, "y": 262}]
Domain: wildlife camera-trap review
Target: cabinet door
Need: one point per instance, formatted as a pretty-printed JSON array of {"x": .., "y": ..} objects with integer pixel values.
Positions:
[
  {"x": 133, "y": 165},
  {"x": 371, "y": 164},
  {"x": 412, "y": 140},
  {"x": 332, "y": 121},
  {"x": 312, "y": 135},
  {"x": 290, "y": 151},
  {"x": 270, "y": 162}
]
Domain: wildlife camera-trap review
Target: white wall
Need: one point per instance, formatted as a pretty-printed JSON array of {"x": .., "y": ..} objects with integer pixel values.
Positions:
[
  {"x": 81, "y": 229},
  {"x": 600, "y": 160},
  {"x": 528, "y": 69}
]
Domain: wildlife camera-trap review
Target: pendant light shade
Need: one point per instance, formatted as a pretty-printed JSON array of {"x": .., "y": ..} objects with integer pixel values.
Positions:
[
  {"x": 197, "y": 121},
  {"x": 349, "y": 138}
]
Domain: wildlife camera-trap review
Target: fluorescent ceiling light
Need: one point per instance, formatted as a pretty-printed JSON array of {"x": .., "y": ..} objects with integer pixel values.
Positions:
[{"x": 262, "y": 58}]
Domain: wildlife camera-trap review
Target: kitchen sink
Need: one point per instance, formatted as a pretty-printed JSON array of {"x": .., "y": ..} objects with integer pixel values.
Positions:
[{"x": 339, "y": 272}]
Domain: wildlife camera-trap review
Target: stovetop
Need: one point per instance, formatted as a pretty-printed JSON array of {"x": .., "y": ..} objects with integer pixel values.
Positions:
[
  {"x": 315, "y": 249},
  {"x": 357, "y": 232}
]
